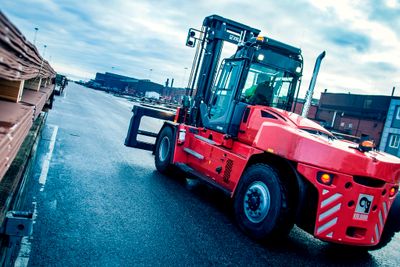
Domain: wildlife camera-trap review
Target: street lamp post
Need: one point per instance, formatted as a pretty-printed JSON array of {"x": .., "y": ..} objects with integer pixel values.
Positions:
[
  {"x": 44, "y": 50},
  {"x": 184, "y": 77},
  {"x": 34, "y": 36}
]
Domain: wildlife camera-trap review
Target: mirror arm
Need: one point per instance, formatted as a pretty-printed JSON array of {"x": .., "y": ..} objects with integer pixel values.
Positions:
[{"x": 204, "y": 114}]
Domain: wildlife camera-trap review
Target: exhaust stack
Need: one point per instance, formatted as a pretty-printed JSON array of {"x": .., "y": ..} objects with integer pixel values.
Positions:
[{"x": 310, "y": 91}]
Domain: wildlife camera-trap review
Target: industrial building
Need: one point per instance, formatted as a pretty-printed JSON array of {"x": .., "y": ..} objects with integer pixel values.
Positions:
[
  {"x": 298, "y": 107},
  {"x": 128, "y": 85},
  {"x": 354, "y": 114},
  {"x": 391, "y": 131},
  {"x": 133, "y": 86}
]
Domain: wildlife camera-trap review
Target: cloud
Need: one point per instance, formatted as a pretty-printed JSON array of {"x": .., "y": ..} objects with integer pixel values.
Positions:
[
  {"x": 131, "y": 37},
  {"x": 345, "y": 38},
  {"x": 387, "y": 13}
]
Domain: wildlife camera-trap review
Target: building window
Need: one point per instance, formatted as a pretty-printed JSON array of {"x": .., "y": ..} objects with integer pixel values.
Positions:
[
  {"x": 398, "y": 113},
  {"x": 394, "y": 141},
  {"x": 367, "y": 103}
]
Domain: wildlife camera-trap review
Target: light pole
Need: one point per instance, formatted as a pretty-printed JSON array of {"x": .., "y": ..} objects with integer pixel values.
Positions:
[
  {"x": 44, "y": 50},
  {"x": 150, "y": 72},
  {"x": 34, "y": 35},
  {"x": 184, "y": 76},
  {"x": 41, "y": 64}
]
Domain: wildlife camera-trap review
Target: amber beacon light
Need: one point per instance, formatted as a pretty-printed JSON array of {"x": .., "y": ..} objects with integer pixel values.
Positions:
[{"x": 325, "y": 178}]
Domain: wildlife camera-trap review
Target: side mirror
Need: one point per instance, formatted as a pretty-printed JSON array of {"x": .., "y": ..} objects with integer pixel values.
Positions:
[
  {"x": 186, "y": 102},
  {"x": 191, "y": 39}
]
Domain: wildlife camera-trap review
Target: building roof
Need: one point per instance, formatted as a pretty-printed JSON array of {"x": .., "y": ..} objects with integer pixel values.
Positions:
[{"x": 363, "y": 106}]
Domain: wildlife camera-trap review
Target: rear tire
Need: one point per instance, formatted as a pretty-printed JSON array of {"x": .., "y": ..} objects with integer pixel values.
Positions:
[
  {"x": 261, "y": 204},
  {"x": 163, "y": 152}
]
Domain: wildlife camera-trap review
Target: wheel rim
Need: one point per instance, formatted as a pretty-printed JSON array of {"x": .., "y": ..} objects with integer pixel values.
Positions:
[
  {"x": 164, "y": 148},
  {"x": 257, "y": 202}
]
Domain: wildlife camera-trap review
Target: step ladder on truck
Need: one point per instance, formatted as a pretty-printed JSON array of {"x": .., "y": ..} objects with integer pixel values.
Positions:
[{"x": 239, "y": 135}]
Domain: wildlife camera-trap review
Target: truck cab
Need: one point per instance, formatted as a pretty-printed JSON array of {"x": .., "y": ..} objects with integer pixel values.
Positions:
[{"x": 263, "y": 72}]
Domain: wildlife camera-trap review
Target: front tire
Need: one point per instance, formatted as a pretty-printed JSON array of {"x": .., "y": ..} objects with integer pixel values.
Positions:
[
  {"x": 163, "y": 152},
  {"x": 261, "y": 204}
]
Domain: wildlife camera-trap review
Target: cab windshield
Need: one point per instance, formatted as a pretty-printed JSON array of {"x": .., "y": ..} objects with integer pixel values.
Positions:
[{"x": 267, "y": 86}]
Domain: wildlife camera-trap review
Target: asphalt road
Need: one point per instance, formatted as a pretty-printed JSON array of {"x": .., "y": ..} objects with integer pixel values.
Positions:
[{"x": 100, "y": 203}]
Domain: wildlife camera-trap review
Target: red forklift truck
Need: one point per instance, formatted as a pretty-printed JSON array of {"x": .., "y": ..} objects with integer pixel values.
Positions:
[{"x": 239, "y": 135}]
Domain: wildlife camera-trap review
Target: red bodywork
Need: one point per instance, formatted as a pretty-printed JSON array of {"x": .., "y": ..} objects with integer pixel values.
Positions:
[{"x": 371, "y": 175}]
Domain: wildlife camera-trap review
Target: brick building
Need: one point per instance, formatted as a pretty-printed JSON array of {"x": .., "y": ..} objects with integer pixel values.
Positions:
[
  {"x": 353, "y": 114},
  {"x": 312, "y": 112}
]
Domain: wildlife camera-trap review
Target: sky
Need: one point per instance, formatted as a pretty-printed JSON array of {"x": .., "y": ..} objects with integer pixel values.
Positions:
[{"x": 146, "y": 39}]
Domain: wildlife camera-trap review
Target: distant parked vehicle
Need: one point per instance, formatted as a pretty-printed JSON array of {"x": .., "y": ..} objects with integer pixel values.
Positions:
[{"x": 61, "y": 83}]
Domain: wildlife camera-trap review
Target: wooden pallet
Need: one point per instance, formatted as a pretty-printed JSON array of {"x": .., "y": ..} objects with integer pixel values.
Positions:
[
  {"x": 33, "y": 84},
  {"x": 13, "y": 90}
]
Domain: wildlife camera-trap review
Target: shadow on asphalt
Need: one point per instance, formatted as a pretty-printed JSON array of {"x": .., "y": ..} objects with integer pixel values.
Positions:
[{"x": 300, "y": 246}]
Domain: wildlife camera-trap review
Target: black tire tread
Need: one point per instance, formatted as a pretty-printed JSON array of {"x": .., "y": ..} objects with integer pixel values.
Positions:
[
  {"x": 164, "y": 168},
  {"x": 284, "y": 221}
]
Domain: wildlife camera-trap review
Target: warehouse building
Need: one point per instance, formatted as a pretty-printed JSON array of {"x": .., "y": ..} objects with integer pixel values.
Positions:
[{"x": 128, "y": 85}]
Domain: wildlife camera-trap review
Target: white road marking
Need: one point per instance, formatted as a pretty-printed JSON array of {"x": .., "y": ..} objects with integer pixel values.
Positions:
[
  {"x": 26, "y": 244},
  {"x": 47, "y": 159}
]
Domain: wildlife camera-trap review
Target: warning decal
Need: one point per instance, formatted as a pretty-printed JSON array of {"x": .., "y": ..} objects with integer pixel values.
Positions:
[{"x": 363, "y": 207}]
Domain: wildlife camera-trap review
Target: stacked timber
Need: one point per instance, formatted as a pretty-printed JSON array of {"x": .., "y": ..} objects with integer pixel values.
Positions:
[
  {"x": 20, "y": 59},
  {"x": 15, "y": 123},
  {"x": 35, "y": 99},
  {"x": 26, "y": 85}
]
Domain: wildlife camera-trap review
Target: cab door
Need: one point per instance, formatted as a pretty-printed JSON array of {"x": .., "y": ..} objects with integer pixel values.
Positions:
[
  {"x": 222, "y": 101},
  {"x": 210, "y": 158}
]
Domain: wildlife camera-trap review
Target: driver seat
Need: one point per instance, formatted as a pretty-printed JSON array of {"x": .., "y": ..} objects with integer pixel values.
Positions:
[{"x": 262, "y": 94}]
